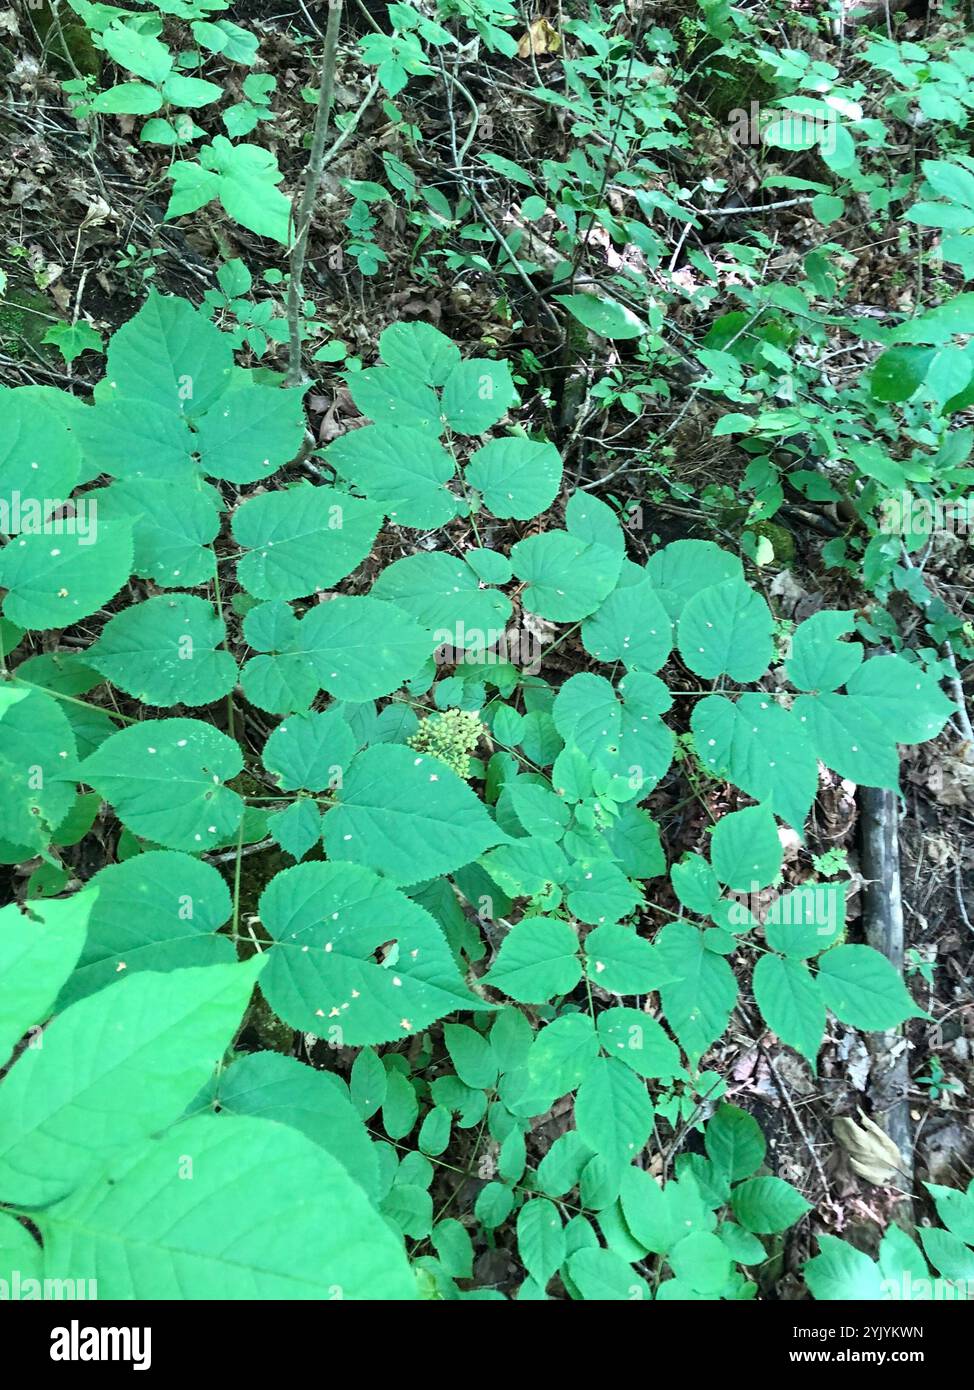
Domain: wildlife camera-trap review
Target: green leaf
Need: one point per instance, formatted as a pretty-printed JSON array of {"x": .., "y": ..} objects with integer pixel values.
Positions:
[
  {"x": 157, "y": 911},
  {"x": 297, "y": 828},
  {"x": 734, "y": 1142},
  {"x": 606, "y": 317},
  {"x": 635, "y": 1038},
  {"x": 477, "y": 394},
  {"x": 165, "y": 780},
  {"x": 453, "y": 1246},
  {"x": 271, "y": 1087},
  {"x": 68, "y": 1106},
  {"x": 625, "y": 739},
  {"x": 631, "y": 625},
  {"x": 744, "y": 1248},
  {"x": 863, "y": 989},
  {"x": 762, "y": 748},
  {"x": 72, "y": 339},
  {"x": 791, "y": 1003},
  {"x": 326, "y": 974},
  {"x": 955, "y": 1209},
  {"x": 848, "y": 737},
  {"x": 613, "y": 1113},
  {"x": 695, "y": 884},
  {"x": 250, "y": 433},
  {"x": 683, "y": 568},
  {"x": 136, "y": 52},
  {"x": 767, "y": 1205},
  {"x": 566, "y": 577},
  {"x": 806, "y": 921},
  {"x": 190, "y": 92},
  {"x": 819, "y": 660},
  {"x": 420, "y": 350},
  {"x": 517, "y": 477},
  {"x": 361, "y": 648},
  {"x": 166, "y": 652},
  {"x": 54, "y": 581},
  {"x": 128, "y": 99},
  {"x": 402, "y": 468},
  {"x": 471, "y": 1055},
  {"x": 244, "y": 178},
  {"x": 283, "y": 680},
  {"x": 903, "y": 697},
  {"x": 139, "y": 441},
  {"x": 302, "y": 540},
  {"x": 310, "y": 751},
  {"x": 745, "y": 849},
  {"x": 540, "y": 1239},
  {"x": 622, "y": 962},
  {"x": 563, "y": 1054},
  {"x": 395, "y": 398},
  {"x": 170, "y": 355},
  {"x": 407, "y": 815},
  {"x": 39, "y": 453},
  {"x": 841, "y": 1273},
  {"x": 368, "y": 1083},
  {"x": 603, "y": 1276},
  {"x": 443, "y": 594},
  {"x": 37, "y": 954},
  {"x": 726, "y": 630},
  {"x": 948, "y": 1255},
  {"x": 37, "y": 764},
  {"x": 172, "y": 523},
  {"x": 702, "y": 1261},
  {"x": 146, "y": 1234},
  {"x": 699, "y": 998},
  {"x": 538, "y": 960}
]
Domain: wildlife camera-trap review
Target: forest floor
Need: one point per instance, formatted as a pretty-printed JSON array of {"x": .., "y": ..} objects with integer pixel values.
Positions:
[{"x": 84, "y": 234}]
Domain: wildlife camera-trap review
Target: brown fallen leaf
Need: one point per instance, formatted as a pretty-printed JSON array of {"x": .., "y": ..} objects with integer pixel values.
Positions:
[
  {"x": 540, "y": 38},
  {"x": 872, "y": 1154}
]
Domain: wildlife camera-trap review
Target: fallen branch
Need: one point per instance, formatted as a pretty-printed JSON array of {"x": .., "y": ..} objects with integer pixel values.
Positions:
[{"x": 889, "y": 1076}]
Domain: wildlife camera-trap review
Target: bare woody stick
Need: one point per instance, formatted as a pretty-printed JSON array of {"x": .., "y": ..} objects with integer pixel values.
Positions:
[{"x": 305, "y": 205}]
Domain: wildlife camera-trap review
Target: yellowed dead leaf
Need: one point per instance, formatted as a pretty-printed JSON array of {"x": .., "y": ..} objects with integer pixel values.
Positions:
[
  {"x": 540, "y": 38},
  {"x": 872, "y": 1154}
]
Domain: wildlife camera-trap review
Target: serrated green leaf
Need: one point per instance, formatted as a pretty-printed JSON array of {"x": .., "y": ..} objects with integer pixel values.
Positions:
[
  {"x": 38, "y": 951},
  {"x": 517, "y": 477},
  {"x": 767, "y": 1205},
  {"x": 326, "y": 974},
  {"x": 146, "y": 1234},
  {"x": 165, "y": 781},
  {"x": 68, "y": 1106},
  {"x": 407, "y": 815},
  {"x": 301, "y": 540},
  {"x": 166, "y": 651},
  {"x": 863, "y": 989},
  {"x": 54, "y": 581},
  {"x": 158, "y": 911},
  {"x": 538, "y": 960},
  {"x": 745, "y": 849},
  {"x": 791, "y": 1003},
  {"x": 726, "y": 630}
]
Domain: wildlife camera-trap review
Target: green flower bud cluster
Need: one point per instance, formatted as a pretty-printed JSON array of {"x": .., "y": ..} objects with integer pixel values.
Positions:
[{"x": 451, "y": 736}]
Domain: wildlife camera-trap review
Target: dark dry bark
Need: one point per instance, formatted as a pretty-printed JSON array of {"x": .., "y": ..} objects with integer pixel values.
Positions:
[{"x": 889, "y": 1077}]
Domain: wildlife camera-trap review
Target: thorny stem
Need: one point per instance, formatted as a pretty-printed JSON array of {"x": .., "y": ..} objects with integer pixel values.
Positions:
[{"x": 305, "y": 207}]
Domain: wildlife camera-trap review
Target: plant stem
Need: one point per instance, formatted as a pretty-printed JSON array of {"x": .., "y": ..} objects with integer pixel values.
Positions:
[{"x": 305, "y": 205}]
